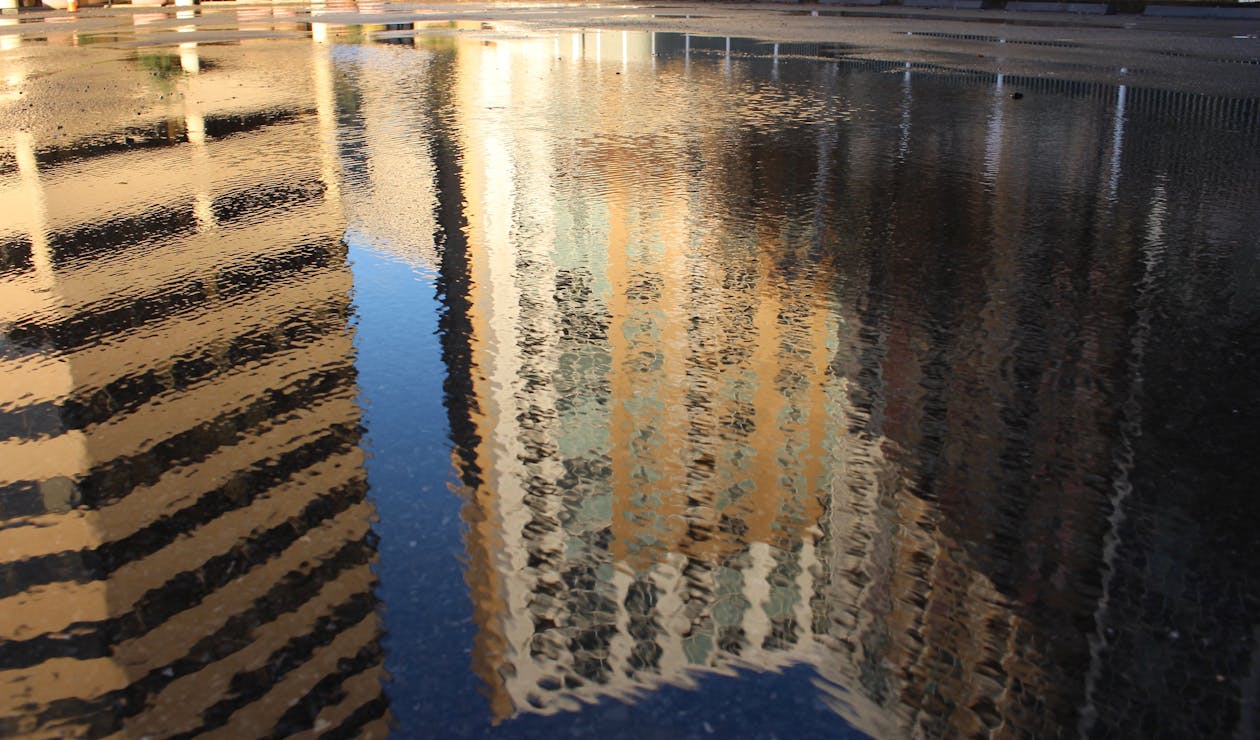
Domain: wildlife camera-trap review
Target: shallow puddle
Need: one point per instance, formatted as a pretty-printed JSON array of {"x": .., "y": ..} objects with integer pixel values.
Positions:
[{"x": 474, "y": 381}]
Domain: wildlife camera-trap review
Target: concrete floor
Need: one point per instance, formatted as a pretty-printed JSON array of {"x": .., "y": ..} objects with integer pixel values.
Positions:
[{"x": 1213, "y": 56}]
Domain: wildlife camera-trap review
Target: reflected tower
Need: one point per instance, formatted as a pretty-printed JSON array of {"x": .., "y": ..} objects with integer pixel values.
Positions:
[
  {"x": 810, "y": 393},
  {"x": 648, "y": 425},
  {"x": 185, "y": 539}
]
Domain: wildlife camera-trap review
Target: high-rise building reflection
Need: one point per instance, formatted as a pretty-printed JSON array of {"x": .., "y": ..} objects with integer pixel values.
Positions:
[
  {"x": 741, "y": 409},
  {"x": 185, "y": 540}
]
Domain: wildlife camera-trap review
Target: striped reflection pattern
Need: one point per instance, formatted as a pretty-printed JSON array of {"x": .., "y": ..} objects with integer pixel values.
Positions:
[{"x": 185, "y": 538}]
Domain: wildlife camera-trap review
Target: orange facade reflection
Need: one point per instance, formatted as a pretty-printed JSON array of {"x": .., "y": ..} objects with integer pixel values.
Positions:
[{"x": 185, "y": 539}]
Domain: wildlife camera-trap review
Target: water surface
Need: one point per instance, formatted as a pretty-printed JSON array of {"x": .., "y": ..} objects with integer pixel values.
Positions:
[{"x": 523, "y": 384}]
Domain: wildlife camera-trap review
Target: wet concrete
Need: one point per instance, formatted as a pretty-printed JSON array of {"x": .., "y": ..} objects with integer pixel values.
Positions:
[
  {"x": 1209, "y": 55},
  {"x": 531, "y": 372}
]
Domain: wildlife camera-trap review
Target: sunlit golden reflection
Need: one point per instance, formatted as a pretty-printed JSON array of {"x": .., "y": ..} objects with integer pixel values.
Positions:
[{"x": 143, "y": 492}]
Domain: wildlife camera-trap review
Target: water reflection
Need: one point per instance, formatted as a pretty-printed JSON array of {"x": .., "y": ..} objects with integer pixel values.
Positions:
[
  {"x": 751, "y": 361},
  {"x": 855, "y": 371},
  {"x": 185, "y": 538}
]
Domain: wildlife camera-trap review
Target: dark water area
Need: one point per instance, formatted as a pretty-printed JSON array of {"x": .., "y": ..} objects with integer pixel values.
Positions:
[{"x": 628, "y": 385}]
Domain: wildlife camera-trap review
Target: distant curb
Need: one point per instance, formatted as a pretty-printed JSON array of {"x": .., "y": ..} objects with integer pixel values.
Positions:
[{"x": 1120, "y": 7}]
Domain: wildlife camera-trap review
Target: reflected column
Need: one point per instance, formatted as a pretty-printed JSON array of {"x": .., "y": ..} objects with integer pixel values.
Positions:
[
  {"x": 903, "y": 141},
  {"x": 37, "y": 227},
  {"x": 195, "y": 129},
  {"x": 325, "y": 111},
  {"x": 188, "y": 59},
  {"x": 993, "y": 135},
  {"x": 1117, "y": 142}
]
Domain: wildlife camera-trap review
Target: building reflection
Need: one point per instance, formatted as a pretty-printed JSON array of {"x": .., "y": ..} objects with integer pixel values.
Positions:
[
  {"x": 185, "y": 540},
  {"x": 726, "y": 397},
  {"x": 625, "y": 531},
  {"x": 727, "y": 391}
]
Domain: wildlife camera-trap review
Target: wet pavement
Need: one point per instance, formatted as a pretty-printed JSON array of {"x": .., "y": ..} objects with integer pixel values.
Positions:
[{"x": 490, "y": 375}]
